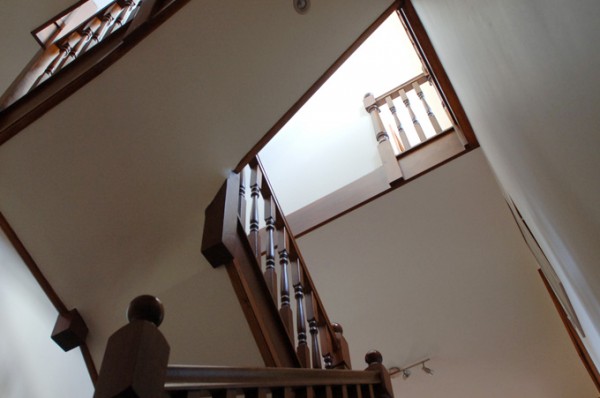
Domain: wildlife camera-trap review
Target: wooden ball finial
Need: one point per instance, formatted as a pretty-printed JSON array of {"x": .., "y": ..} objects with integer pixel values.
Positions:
[
  {"x": 147, "y": 308},
  {"x": 337, "y": 328},
  {"x": 373, "y": 357}
]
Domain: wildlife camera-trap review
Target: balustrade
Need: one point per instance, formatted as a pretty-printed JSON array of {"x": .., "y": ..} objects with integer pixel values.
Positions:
[
  {"x": 62, "y": 49},
  {"x": 290, "y": 287},
  {"x": 136, "y": 364}
]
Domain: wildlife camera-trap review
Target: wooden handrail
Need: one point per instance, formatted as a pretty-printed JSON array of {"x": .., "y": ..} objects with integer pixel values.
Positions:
[{"x": 211, "y": 377}]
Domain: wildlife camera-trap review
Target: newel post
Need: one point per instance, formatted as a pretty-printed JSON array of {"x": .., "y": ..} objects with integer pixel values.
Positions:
[
  {"x": 136, "y": 357},
  {"x": 375, "y": 361},
  {"x": 386, "y": 152}
]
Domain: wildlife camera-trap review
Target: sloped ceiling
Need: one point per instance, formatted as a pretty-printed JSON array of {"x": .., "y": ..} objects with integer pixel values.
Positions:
[{"x": 108, "y": 190}]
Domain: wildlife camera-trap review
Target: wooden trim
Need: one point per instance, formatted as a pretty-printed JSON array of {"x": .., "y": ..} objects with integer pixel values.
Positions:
[
  {"x": 575, "y": 339},
  {"x": 77, "y": 74},
  {"x": 46, "y": 287},
  {"x": 430, "y": 58},
  {"x": 313, "y": 89},
  {"x": 32, "y": 266},
  {"x": 346, "y": 199}
]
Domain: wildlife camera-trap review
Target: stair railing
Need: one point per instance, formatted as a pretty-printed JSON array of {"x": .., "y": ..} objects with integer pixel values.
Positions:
[
  {"x": 246, "y": 231},
  {"x": 135, "y": 364}
]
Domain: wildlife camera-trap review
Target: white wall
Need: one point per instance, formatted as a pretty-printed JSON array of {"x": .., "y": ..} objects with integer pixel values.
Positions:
[
  {"x": 330, "y": 142},
  {"x": 31, "y": 364},
  {"x": 527, "y": 75}
]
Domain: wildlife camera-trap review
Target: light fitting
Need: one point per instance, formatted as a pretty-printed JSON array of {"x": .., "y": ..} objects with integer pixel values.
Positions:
[
  {"x": 406, "y": 370},
  {"x": 301, "y": 6}
]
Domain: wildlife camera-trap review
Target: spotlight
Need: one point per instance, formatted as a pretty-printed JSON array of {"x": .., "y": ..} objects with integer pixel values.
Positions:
[
  {"x": 405, "y": 374},
  {"x": 427, "y": 370}
]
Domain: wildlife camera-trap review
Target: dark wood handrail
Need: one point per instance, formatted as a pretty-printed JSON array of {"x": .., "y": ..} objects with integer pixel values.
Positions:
[{"x": 210, "y": 377}]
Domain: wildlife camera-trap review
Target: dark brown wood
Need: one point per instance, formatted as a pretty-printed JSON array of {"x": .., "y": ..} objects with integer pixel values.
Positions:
[
  {"x": 573, "y": 335},
  {"x": 219, "y": 238},
  {"x": 257, "y": 304},
  {"x": 70, "y": 330},
  {"x": 256, "y": 393},
  {"x": 418, "y": 34},
  {"x": 286, "y": 310},
  {"x": 315, "y": 348},
  {"x": 341, "y": 357},
  {"x": 198, "y": 377},
  {"x": 270, "y": 271},
  {"x": 255, "y": 183},
  {"x": 315, "y": 87},
  {"x": 32, "y": 266},
  {"x": 89, "y": 363},
  {"x": 375, "y": 362},
  {"x": 302, "y": 349},
  {"x": 135, "y": 361},
  {"x": 77, "y": 74}
]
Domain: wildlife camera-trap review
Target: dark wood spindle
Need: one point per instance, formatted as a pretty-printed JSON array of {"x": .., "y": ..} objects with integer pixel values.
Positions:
[
  {"x": 314, "y": 331},
  {"x": 255, "y": 182},
  {"x": 286, "y": 310},
  {"x": 242, "y": 201},
  {"x": 302, "y": 349},
  {"x": 270, "y": 272}
]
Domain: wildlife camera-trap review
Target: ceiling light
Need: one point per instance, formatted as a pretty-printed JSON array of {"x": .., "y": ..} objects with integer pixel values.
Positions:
[{"x": 301, "y": 6}]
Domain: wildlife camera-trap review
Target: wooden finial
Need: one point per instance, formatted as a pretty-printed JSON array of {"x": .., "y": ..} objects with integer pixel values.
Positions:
[
  {"x": 146, "y": 308},
  {"x": 373, "y": 357},
  {"x": 337, "y": 328}
]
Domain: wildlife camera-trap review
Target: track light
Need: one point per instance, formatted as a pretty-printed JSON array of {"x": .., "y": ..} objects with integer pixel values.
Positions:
[{"x": 406, "y": 370}]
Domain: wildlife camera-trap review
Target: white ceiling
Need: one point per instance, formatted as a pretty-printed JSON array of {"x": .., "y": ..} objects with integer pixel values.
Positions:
[{"x": 107, "y": 191}]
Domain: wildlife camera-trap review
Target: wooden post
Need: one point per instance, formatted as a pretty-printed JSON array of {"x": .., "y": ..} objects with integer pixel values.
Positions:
[
  {"x": 342, "y": 353},
  {"x": 136, "y": 357},
  {"x": 375, "y": 362},
  {"x": 390, "y": 163}
]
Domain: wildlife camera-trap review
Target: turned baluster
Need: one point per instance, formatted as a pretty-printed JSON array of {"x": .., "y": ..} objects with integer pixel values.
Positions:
[
  {"x": 386, "y": 152},
  {"x": 416, "y": 124},
  {"x": 434, "y": 122},
  {"x": 302, "y": 349},
  {"x": 255, "y": 182},
  {"x": 242, "y": 200},
  {"x": 63, "y": 52},
  {"x": 284, "y": 258},
  {"x": 136, "y": 357},
  {"x": 270, "y": 272},
  {"x": 314, "y": 331},
  {"x": 401, "y": 133}
]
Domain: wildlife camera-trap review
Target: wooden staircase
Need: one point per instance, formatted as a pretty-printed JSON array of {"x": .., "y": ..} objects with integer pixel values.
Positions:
[{"x": 249, "y": 238}]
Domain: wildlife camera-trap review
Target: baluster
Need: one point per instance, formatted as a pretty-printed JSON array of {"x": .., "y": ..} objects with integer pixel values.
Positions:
[
  {"x": 314, "y": 331},
  {"x": 256, "y": 393},
  {"x": 302, "y": 349},
  {"x": 64, "y": 49},
  {"x": 386, "y": 152},
  {"x": 286, "y": 310},
  {"x": 255, "y": 182},
  {"x": 270, "y": 272},
  {"x": 401, "y": 133},
  {"x": 430, "y": 114},
  {"x": 416, "y": 124},
  {"x": 242, "y": 200}
]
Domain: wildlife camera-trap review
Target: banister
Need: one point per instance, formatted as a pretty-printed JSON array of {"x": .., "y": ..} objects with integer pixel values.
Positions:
[{"x": 136, "y": 358}]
